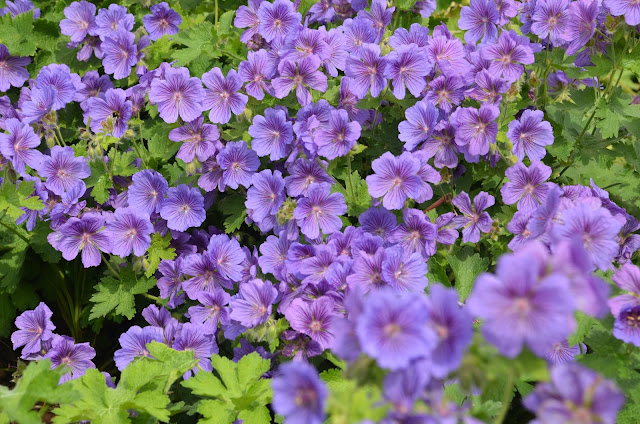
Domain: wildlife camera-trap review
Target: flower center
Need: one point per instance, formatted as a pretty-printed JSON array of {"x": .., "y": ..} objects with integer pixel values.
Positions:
[{"x": 315, "y": 326}]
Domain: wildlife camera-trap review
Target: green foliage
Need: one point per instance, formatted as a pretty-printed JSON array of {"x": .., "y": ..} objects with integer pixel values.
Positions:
[
  {"x": 158, "y": 251},
  {"x": 15, "y": 33},
  {"x": 466, "y": 266},
  {"x": 350, "y": 402},
  {"x": 355, "y": 192},
  {"x": 118, "y": 295},
  {"x": 13, "y": 198},
  {"x": 236, "y": 391},
  {"x": 142, "y": 389}
]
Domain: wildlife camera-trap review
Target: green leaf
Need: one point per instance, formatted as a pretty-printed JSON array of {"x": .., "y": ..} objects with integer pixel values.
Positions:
[
  {"x": 351, "y": 402},
  {"x": 119, "y": 295},
  {"x": 122, "y": 163},
  {"x": 358, "y": 200},
  {"x": 39, "y": 383},
  {"x": 225, "y": 22},
  {"x": 13, "y": 251},
  {"x": 585, "y": 322},
  {"x": 12, "y": 198},
  {"x": 405, "y": 4},
  {"x": 199, "y": 40},
  {"x": 466, "y": 266},
  {"x": 15, "y": 33},
  {"x": 216, "y": 412},
  {"x": 233, "y": 207},
  {"x": 157, "y": 136},
  {"x": 258, "y": 415},
  {"x": 100, "y": 180},
  {"x": 39, "y": 243},
  {"x": 158, "y": 251}
]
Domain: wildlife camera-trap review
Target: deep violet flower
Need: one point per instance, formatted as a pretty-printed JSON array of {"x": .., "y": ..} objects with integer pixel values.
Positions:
[
  {"x": 272, "y": 134},
  {"x": 129, "y": 231},
  {"x": 63, "y": 170},
  {"x": 199, "y": 140},
  {"x": 76, "y": 357},
  {"x": 247, "y": 17},
  {"x": 473, "y": 219},
  {"x": 19, "y": 145},
  {"x": 407, "y": 67},
  {"x": 110, "y": 114},
  {"x": 212, "y": 309},
  {"x": 301, "y": 76},
  {"x": 162, "y": 20},
  {"x": 479, "y": 19},
  {"x": 203, "y": 345},
  {"x": 277, "y": 19},
  {"x": 561, "y": 352},
  {"x": 252, "y": 306},
  {"x": 590, "y": 398},
  {"x": 299, "y": 394},
  {"x": 530, "y": 134},
  {"x": 626, "y": 307},
  {"x": 177, "y": 94},
  {"x": 395, "y": 179},
  {"x": 266, "y": 195},
  {"x": 393, "y": 329},
  {"x": 507, "y": 56},
  {"x": 445, "y": 92},
  {"x": 83, "y": 234},
  {"x": 183, "y": 208},
  {"x": 320, "y": 211},
  {"x": 256, "y": 71},
  {"x": 221, "y": 95},
  {"x": 550, "y": 19},
  {"x": 338, "y": 136},
  {"x": 476, "y": 129},
  {"x": 41, "y": 103},
  {"x": 526, "y": 185},
  {"x": 80, "y": 20},
  {"x": 34, "y": 327},
  {"x": 134, "y": 344},
  {"x": 302, "y": 174},
  {"x": 421, "y": 121},
  {"x": 120, "y": 54},
  {"x": 581, "y": 24},
  {"x": 12, "y": 72},
  {"x": 521, "y": 308},
  {"x": 367, "y": 70},
  {"x": 146, "y": 194},
  {"x": 171, "y": 281},
  {"x": 314, "y": 319},
  {"x": 238, "y": 163}
]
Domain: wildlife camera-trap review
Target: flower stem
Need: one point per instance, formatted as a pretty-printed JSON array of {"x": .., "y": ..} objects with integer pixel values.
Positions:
[
  {"x": 353, "y": 193},
  {"x": 113, "y": 271},
  {"x": 506, "y": 398},
  {"x": 14, "y": 231}
]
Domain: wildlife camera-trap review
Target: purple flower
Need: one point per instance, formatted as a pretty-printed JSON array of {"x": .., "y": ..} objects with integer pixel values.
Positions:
[
  {"x": 193, "y": 338},
  {"x": 488, "y": 88},
  {"x": 449, "y": 56},
  {"x": 299, "y": 394},
  {"x": 442, "y": 146},
  {"x": 277, "y": 19},
  {"x": 34, "y": 327},
  {"x": 76, "y": 357},
  {"x": 64, "y": 83},
  {"x": 454, "y": 327},
  {"x": 338, "y": 136},
  {"x": 111, "y": 113},
  {"x": 63, "y": 170},
  {"x": 146, "y": 194},
  {"x": 314, "y": 318},
  {"x": 474, "y": 219},
  {"x": 550, "y": 19},
  {"x": 507, "y": 56},
  {"x": 130, "y": 230},
  {"x": 271, "y": 133},
  {"x": 252, "y": 306},
  {"x": 395, "y": 179},
  {"x": 18, "y": 7},
  {"x": 407, "y": 66},
  {"x": 581, "y": 24},
  {"x": 404, "y": 272},
  {"x": 41, "y": 103},
  {"x": 221, "y": 96},
  {"x": 239, "y": 163},
  {"x": 393, "y": 329},
  {"x": 177, "y": 94},
  {"x": 337, "y": 53},
  {"x": 561, "y": 352},
  {"x": 80, "y": 20},
  {"x": 83, "y": 234},
  {"x": 256, "y": 71},
  {"x": 445, "y": 92},
  {"x": 626, "y": 307},
  {"x": 304, "y": 74},
  {"x": 480, "y": 19},
  {"x": 134, "y": 344},
  {"x": 530, "y": 134},
  {"x": 170, "y": 282},
  {"x": 627, "y": 8},
  {"x": 416, "y": 234},
  {"x": 247, "y": 17},
  {"x": 302, "y": 174},
  {"x": 308, "y": 42},
  {"x": 183, "y": 208},
  {"x": 162, "y": 20},
  {"x": 575, "y": 395},
  {"x": 112, "y": 22},
  {"x": 367, "y": 70},
  {"x": 378, "y": 221},
  {"x": 120, "y": 54},
  {"x": 358, "y": 33},
  {"x": 94, "y": 85},
  {"x": 526, "y": 185},
  {"x": 379, "y": 16},
  {"x": 476, "y": 129},
  {"x": 19, "y": 146},
  {"x": 12, "y": 72},
  {"x": 421, "y": 121},
  {"x": 212, "y": 309},
  {"x": 519, "y": 307},
  {"x": 320, "y": 210},
  {"x": 205, "y": 275},
  {"x": 198, "y": 140}
]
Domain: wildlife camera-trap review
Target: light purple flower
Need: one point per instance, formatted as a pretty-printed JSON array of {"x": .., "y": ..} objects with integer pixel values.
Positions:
[
  {"x": 212, "y": 309},
  {"x": 120, "y": 54},
  {"x": 80, "y": 20},
  {"x": 112, "y": 22},
  {"x": 110, "y": 114},
  {"x": 379, "y": 16},
  {"x": 129, "y": 231},
  {"x": 405, "y": 273},
  {"x": 12, "y": 72},
  {"x": 63, "y": 170},
  {"x": 320, "y": 211},
  {"x": 272, "y": 134},
  {"x": 170, "y": 283},
  {"x": 34, "y": 327},
  {"x": 256, "y": 71},
  {"x": 183, "y": 208},
  {"x": 476, "y": 129},
  {"x": 581, "y": 24},
  {"x": 302, "y": 174},
  {"x": 146, "y": 194},
  {"x": 507, "y": 56},
  {"x": 561, "y": 352},
  {"x": 266, "y": 195},
  {"x": 530, "y": 134},
  {"x": 19, "y": 145},
  {"x": 177, "y": 94},
  {"x": 627, "y": 8},
  {"x": 367, "y": 70},
  {"x": 299, "y": 394},
  {"x": 252, "y": 306},
  {"x": 247, "y": 17},
  {"x": 338, "y": 136},
  {"x": 421, "y": 121},
  {"x": 445, "y": 92},
  {"x": 358, "y": 33},
  {"x": 526, "y": 185},
  {"x": 550, "y": 19},
  {"x": 474, "y": 219},
  {"x": 416, "y": 234},
  {"x": 162, "y": 20},
  {"x": 314, "y": 319},
  {"x": 479, "y": 19},
  {"x": 62, "y": 81},
  {"x": 626, "y": 307},
  {"x": 277, "y": 19},
  {"x": 299, "y": 76},
  {"x": 488, "y": 88},
  {"x": 199, "y": 140},
  {"x": 203, "y": 345},
  {"x": 238, "y": 163},
  {"x": 134, "y": 344},
  {"x": 395, "y": 179},
  {"x": 221, "y": 95},
  {"x": 74, "y": 357},
  {"x": 407, "y": 67},
  {"x": 83, "y": 234},
  {"x": 41, "y": 103}
]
